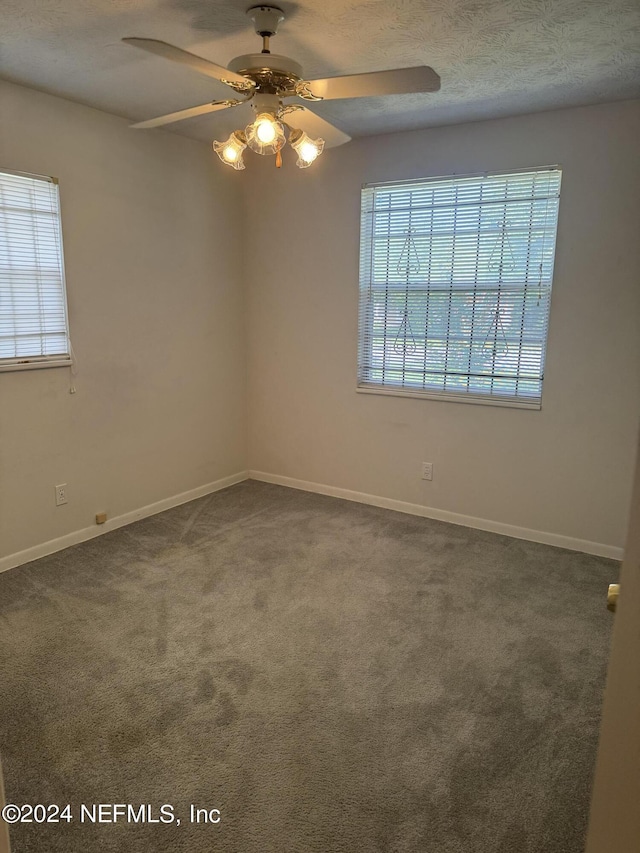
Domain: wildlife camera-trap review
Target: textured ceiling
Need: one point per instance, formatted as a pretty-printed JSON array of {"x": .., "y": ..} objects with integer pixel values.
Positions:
[{"x": 495, "y": 57}]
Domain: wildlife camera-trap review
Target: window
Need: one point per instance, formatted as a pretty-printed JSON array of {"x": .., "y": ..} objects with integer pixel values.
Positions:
[
  {"x": 33, "y": 309},
  {"x": 455, "y": 286}
]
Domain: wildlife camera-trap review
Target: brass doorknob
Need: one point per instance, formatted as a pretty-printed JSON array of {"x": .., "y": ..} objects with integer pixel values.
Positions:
[{"x": 612, "y": 596}]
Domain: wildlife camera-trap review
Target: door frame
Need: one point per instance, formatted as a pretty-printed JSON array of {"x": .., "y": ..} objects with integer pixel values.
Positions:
[{"x": 614, "y": 823}]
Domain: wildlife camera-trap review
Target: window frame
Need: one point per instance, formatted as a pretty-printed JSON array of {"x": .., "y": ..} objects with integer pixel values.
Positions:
[
  {"x": 39, "y": 362},
  {"x": 364, "y": 339}
]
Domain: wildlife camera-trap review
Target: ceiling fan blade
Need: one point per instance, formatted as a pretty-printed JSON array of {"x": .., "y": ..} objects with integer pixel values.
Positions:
[
  {"x": 188, "y": 113},
  {"x": 400, "y": 81},
  {"x": 197, "y": 63},
  {"x": 315, "y": 127}
]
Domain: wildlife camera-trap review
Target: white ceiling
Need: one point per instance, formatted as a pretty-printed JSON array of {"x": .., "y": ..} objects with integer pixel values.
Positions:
[{"x": 495, "y": 57}]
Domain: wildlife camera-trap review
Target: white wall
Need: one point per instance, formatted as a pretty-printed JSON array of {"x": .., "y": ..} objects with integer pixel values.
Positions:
[
  {"x": 151, "y": 236},
  {"x": 157, "y": 248},
  {"x": 565, "y": 470}
]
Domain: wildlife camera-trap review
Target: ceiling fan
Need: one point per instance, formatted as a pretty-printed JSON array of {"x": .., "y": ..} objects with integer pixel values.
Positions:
[{"x": 266, "y": 80}]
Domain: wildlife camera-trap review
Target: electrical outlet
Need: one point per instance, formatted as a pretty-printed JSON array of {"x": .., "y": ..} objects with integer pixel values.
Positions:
[
  {"x": 61, "y": 494},
  {"x": 427, "y": 470}
]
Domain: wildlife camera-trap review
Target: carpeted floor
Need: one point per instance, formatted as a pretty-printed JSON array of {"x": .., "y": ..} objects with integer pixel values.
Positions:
[{"x": 334, "y": 678}]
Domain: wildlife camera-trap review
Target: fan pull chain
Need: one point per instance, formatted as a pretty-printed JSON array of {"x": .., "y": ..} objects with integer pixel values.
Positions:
[{"x": 278, "y": 160}]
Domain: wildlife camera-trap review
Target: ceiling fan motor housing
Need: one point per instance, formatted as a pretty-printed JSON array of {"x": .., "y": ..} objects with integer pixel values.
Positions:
[
  {"x": 272, "y": 74},
  {"x": 255, "y": 63}
]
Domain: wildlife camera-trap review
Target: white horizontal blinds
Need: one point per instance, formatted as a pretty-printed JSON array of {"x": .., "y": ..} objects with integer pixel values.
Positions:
[
  {"x": 33, "y": 315},
  {"x": 455, "y": 278}
]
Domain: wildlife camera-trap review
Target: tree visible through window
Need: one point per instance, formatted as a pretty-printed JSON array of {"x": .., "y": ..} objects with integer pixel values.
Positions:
[
  {"x": 455, "y": 285},
  {"x": 33, "y": 310}
]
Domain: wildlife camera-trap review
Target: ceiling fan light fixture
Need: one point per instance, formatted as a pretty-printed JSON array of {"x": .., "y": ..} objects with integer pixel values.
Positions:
[
  {"x": 265, "y": 135},
  {"x": 267, "y": 79},
  {"x": 230, "y": 152},
  {"x": 306, "y": 148}
]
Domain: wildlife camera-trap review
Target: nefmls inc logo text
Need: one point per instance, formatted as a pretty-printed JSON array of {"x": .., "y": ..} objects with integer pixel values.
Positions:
[{"x": 142, "y": 813}]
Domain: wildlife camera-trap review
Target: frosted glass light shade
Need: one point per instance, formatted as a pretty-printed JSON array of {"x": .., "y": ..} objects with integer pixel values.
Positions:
[
  {"x": 230, "y": 152},
  {"x": 306, "y": 148},
  {"x": 265, "y": 135}
]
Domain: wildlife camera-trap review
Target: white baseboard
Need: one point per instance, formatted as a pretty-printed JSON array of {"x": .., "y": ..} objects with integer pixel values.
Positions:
[
  {"x": 556, "y": 539},
  {"x": 53, "y": 545},
  {"x": 77, "y": 536}
]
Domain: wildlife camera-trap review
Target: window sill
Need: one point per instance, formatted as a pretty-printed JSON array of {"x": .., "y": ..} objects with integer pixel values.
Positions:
[
  {"x": 11, "y": 366},
  {"x": 508, "y": 403}
]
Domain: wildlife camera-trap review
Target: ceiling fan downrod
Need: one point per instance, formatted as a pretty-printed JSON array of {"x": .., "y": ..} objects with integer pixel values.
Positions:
[{"x": 265, "y": 21}]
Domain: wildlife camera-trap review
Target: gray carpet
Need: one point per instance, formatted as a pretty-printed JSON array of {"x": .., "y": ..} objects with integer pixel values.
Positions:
[{"x": 334, "y": 678}]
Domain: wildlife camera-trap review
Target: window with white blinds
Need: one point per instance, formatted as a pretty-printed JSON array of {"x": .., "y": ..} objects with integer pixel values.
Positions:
[
  {"x": 455, "y": 286},
  {"x": 33, "y": 309}
]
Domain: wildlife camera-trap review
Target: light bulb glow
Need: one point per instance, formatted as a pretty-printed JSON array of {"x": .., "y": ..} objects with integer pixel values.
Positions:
[
  {"x": 308, "y": 152},
  {"x": 265, "y": 131},
  {"x": 307, "y": 149},
  {"x": 265, "y": 135},
  {"x": 230, "y": 153}
]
